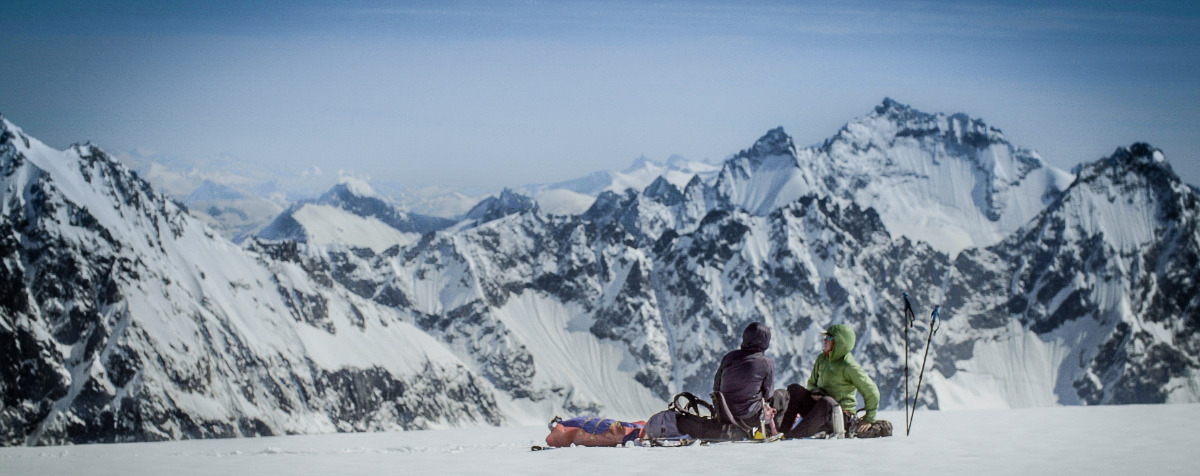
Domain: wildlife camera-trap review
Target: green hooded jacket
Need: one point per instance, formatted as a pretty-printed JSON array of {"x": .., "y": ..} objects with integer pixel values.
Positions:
[{"x": 839, "y": 376}]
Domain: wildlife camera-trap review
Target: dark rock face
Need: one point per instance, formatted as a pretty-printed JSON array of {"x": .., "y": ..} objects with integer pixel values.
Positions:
[{"x": 494, "y": 208}]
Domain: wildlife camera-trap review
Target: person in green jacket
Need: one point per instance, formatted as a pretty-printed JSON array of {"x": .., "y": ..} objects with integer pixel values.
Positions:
[{"x": 835, "y": 379}]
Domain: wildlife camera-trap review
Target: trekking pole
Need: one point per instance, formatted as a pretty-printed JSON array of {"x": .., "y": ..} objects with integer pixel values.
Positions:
[
  {"x": 934, "y": 324},
  {"x": 908, "y": 322}
]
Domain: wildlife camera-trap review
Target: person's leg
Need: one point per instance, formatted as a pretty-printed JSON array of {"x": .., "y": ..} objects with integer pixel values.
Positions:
[
  {"x": 800, "y": 402},
  {"x": 779, "y": 404},
  {"x": 815, "y": 420}
]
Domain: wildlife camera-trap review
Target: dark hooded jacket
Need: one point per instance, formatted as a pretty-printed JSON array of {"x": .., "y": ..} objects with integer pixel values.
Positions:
[{"x": 747, "y": 376}]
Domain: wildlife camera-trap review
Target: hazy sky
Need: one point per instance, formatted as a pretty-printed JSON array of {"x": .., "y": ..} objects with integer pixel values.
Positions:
[{"x": 488, "y": 94}]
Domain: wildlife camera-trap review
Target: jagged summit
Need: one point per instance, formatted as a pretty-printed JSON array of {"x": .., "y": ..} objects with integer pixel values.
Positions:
[
  {"x": 1140, "y": 166},
  {"x": 664, "y": 191},
  {"x": 775, "y": 142},
  {"x": 893, "y": 109},
  {"x": 1138, "y": 156},
  {"x": 508, "y": 203},
  {"x": 892, "y": 119},
  {"x": 890, "y": 104}
]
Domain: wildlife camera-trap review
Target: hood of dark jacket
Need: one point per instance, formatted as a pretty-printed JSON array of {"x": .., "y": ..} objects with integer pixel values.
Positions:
[
  {"x": 756, "y": 337},
  {"x": 843, "y": 340}
]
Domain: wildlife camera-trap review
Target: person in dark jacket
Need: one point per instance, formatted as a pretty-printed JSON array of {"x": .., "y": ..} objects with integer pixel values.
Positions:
[{"x": 747, "y": 376}]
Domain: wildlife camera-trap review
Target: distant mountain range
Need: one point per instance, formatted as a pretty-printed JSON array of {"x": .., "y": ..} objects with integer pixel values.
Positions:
[
  {"x": 240, "y": 200},
  {"x": 124, "y": 318}
]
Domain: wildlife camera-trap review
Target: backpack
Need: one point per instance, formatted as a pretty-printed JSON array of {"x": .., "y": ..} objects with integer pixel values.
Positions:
[
  {"x": 664, "y": 424},
  {"x": 686, "y": 418},
  {"x": 878, "y": 429}
]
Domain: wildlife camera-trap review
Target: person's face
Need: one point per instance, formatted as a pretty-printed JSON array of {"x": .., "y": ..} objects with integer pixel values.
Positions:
[{"x": 828, "y": 344}]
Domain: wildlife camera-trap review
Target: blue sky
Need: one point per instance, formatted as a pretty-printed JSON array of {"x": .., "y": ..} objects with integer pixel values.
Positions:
[{"x": 487, "y": 94}]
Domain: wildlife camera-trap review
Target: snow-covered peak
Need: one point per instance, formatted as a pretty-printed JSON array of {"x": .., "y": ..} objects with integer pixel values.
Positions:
[
  {"x": 352, "y": 213},
  {"x": 1139, "y": 156},
  {"x": 1128, "y": 199},
  {"x": 85, "y": 176},
  {"x": 949, "y": 180},
  {"x": 892, "y": 121},
  {"x": 355, "y": 186},
  {"x": 507, "y": 203},
  {"x": 664, "y": 191},
  {"x": 776, "y": 142}
]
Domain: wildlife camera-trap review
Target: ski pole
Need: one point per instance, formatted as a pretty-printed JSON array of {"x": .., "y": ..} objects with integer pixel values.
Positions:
[
  {"x": 934, "y": 324},
  {"x": 908, "y": 322}
]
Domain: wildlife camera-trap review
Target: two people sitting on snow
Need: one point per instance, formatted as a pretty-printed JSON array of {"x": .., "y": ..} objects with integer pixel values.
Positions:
[{"x": 745, "y": 379}]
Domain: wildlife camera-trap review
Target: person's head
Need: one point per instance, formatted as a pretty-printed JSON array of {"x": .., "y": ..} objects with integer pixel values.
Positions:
[
  {"x": 756, "y": 337},
  {"x": 839, "y": 340}
]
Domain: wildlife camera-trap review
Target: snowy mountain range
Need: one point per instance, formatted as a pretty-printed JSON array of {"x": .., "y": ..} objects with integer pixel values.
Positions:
[
  {"x": 240, "y": 199},
  {"x": 1055, "y": 288},
  {"x": 576, "y": 196}
]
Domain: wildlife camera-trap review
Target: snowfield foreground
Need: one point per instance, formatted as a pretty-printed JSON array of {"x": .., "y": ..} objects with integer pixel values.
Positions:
[{"x": 1134, "y": 439}]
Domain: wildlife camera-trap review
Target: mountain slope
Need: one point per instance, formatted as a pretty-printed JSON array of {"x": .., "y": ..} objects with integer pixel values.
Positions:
[
  {"x": 126, "y": 319},
  {"x": 1107, "y": 278}
]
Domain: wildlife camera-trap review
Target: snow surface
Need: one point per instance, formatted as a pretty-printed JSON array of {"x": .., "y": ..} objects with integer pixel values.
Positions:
[{"x": 1133, "y": 439}]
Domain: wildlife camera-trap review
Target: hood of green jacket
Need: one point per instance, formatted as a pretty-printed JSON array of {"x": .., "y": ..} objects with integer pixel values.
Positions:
[{"x": 843, "y": 340}]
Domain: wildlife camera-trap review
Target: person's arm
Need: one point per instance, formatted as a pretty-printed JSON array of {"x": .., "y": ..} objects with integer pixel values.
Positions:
[
  {"x": 867, "y": 387},
  {"x": 717, "y": 377},
  {"x": 812, "y": 377},
  {"x": 768, "y": 383}
]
